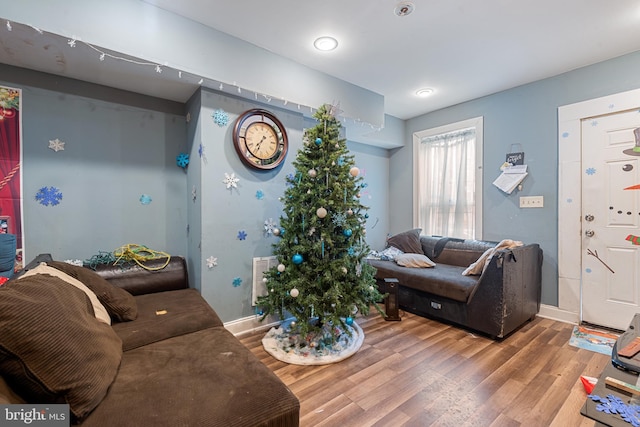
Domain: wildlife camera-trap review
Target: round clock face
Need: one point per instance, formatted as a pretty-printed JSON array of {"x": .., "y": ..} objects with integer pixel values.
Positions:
[{"x": 260, "y": 139}]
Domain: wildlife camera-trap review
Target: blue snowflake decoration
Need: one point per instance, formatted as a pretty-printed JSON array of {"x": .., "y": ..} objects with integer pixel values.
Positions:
[
  {"x": 290, "y": 178},
  {"x": 590, "y": 171},
  {"x": 220, "y": 117},
  {"x": 588, "y": 270},
  {"x": 565, "y": 134},
  {"x": 49, "y": 196},
  {"x": 145, "y": 199},
  {"x": 351, "y": 251},
  {"x": 340, "y": 161},
  {"x": 613, "y": 405},
  {"x": 182, "y": 160},
  {"x": 259, "y": 194},
  {"x": 237, "y": 282},
  {"x": 201, "y": 150},
  {"x": 242, "y": 235},
  {"x": 594, "y": 123}
]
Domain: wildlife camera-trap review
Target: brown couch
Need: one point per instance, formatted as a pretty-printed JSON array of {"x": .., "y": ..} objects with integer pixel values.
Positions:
[
  {"x": 496, "y": 302},
  {"x": 178, "y": 365}
]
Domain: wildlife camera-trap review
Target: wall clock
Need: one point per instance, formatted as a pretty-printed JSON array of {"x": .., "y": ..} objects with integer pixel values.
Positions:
[{"x": 260, "y": 139}]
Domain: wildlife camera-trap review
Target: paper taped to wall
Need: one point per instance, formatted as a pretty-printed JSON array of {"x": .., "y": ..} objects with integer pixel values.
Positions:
[{"x": 510, "y": 178}]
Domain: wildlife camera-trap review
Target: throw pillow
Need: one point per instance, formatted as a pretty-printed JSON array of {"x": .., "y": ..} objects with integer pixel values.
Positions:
[
  {"x": 407, "y": 242},
  {"x": 390, "y": 253},
  {"x": 98, "y": 309},
  {"x": 414, "y": 260},
  {"x": 120, "y": 304},
  {"x": 52, "y": 348}
]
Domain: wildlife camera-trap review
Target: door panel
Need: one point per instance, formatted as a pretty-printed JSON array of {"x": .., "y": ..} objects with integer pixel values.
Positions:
[{"x": 610, "y": 219}]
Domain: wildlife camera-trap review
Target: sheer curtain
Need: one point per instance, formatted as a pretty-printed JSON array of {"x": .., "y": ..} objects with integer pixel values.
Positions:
[{"x": 446, "y": 184}]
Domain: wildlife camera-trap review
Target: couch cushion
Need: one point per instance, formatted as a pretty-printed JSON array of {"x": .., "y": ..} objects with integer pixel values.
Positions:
[
  {"x": 98, "y": 309},
  {"x": 455, "y": 251},
  {"x": 206, "y": 378},
  {"x": 52, "y": 348},
  {"x": 164, "y": 315},
  {"x": 414, "y": 261},
  {"x": 119, "y": 303},
  {"x": 408, "y": 242},
  {"x": 443, "y": 280}
]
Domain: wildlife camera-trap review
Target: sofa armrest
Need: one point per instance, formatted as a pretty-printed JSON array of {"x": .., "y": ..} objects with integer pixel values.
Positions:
[
  {"x": 508, "y": 292},
  {"x": 138, "y": 280}
]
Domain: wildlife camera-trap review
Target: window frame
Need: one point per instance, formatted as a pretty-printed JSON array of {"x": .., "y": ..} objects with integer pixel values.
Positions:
[{"x": 477, "y": 123}]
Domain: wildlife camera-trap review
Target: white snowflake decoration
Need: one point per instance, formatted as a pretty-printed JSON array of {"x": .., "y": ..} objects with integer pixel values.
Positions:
[
  {"x": 312, "y": 231},
  {"x": 339, "y": 219},
  {"x": 230, "y": 180},
  {"x": 56, "y": 145},
  {"x": 269, "y": 226},
  {"x": 220, "y": 117},
  {"x": 212, "y": 262}
]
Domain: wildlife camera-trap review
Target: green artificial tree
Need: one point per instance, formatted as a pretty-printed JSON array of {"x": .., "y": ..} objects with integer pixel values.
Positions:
[{"x": 321, "y": 277}]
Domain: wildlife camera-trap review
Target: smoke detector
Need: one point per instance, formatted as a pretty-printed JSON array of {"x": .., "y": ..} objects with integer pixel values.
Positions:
[{"x": 404, "y": 8}]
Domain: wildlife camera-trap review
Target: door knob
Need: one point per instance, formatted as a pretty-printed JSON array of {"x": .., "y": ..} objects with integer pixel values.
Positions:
[
  {"x": 589, "y": 233},
  {"x": 588, "y": 218}
]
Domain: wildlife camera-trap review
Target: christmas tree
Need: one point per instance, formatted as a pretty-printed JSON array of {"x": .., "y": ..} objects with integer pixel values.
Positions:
[{"x": 321, "y": 278}]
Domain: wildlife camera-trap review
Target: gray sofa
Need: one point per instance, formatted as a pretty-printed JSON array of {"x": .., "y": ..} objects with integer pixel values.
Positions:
[
  {"x": 495, "y": 303},
  {"x": 166, "y": 359}
]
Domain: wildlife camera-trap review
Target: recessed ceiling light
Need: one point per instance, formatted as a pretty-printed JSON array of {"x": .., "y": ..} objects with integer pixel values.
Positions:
[
  {"x": 424, "y": 92},
  {"x": 325, "y": 43}
]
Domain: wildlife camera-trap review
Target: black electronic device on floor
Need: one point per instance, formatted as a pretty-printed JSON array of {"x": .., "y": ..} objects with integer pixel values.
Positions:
[{"x": 626, "y": 350}]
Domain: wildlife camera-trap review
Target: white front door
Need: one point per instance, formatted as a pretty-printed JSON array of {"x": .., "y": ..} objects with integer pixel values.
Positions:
[{"x": 610, "y": 219}]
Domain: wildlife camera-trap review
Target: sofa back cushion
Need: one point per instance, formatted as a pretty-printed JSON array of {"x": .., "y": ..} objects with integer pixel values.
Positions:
[
  {"x": 457, "y": 252},
  {"x": 52, "y": 348}
]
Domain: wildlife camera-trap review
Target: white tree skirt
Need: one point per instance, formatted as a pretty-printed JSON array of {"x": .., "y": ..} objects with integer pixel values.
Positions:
[{"x": 285, "y": 344}]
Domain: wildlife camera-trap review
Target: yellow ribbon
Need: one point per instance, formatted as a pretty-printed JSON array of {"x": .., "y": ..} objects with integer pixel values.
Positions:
[{"x": 140, "y": 254}]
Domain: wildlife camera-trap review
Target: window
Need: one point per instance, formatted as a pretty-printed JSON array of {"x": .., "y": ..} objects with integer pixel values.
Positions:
[{"x": 448, "y": 180}]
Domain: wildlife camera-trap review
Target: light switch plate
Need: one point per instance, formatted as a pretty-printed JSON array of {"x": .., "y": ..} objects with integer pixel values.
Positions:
[{"x": 532, "y": 201}]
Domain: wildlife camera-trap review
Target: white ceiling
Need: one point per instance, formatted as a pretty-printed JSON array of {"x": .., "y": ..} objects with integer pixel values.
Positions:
[{"x": 463, "y": 49}]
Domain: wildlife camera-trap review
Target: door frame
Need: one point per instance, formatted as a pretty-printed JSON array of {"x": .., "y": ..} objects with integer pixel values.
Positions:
[{"x": 570, "y": 189}]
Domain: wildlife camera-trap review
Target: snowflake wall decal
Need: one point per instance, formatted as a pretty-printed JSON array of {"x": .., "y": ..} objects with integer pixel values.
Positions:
[
  {"x": 242, "y": 235},
  {"x": 220, "y": 117},
  {"x": 237, "y": 282},
  {"x": 49, "y": 196},
  {"x": 145, "y": 199},
  {"x": 590, "y": 171},
  {"x": 259, "y": 194},
  {"x": 182, "y": 160},
  {"x": 212, "y": 262},
  {"x": 230, "y": 180},
  {"x": 56, "y": 145},
  {"x": 269, "y": 226}
]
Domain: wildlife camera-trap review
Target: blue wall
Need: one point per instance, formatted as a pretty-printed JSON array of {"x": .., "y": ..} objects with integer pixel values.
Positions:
[
  {"x": 525, "y": 115},
  {"x": 114, "y": 153},
  {"x": 224, "y": 212},
  {"x": 121, "y": 145}
]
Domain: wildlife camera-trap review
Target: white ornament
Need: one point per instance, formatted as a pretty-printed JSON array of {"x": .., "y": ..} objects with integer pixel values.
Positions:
[
  {"x": 265, "y": 280},
  {"x": 364, "y": 231},
  {"x": 230, "y": 180},
  {"x": 312, "y": 173},
  {"x": 212, "y": 262},
  {"x": 371, "y": 288},
  {"x": 321, "y": 212},
  {"x": 344, "y": 270},
  {"x": 354, "y": 310},
  {"x": 337, "y": 145},
  {"x": 276, "y": 231},
  {"x": 349, "y": 212},
  {"x": 354, "y": 171},
  {"x": 294, "y": 293},
  {"x": 56, "y": 145},
  {"x": 281, "y": 268}
]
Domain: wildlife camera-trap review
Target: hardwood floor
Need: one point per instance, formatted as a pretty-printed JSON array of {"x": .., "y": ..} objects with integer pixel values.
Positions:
[{"x": 420, "y": 372}]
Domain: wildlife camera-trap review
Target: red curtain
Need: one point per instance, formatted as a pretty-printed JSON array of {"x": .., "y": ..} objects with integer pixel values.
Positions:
[{"x": 10, "y": 171}]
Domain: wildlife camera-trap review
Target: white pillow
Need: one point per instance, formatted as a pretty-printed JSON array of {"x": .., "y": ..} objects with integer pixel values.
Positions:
[
  {"x": 414, "y": 260},
  {"x": 390, "y": 253},
  {"x": 99, "y": 310}
]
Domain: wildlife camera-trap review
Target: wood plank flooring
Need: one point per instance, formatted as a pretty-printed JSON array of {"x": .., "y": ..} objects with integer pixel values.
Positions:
[{"x": 420, "y": 372}]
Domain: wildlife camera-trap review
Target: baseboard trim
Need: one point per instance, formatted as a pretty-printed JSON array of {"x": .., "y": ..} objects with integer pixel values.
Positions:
[
  {"x": 555, "y": 313},
  {"x": 247, "y": 325}
]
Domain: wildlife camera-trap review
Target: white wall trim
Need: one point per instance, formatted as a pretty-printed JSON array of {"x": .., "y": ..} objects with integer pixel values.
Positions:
[
  {"x": 555, "y": 313},
  {"x": 247, "y": 325}
]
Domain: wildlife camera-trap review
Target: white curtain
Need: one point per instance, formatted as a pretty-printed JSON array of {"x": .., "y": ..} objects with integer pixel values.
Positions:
[{"x": 446, "y": 184}]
